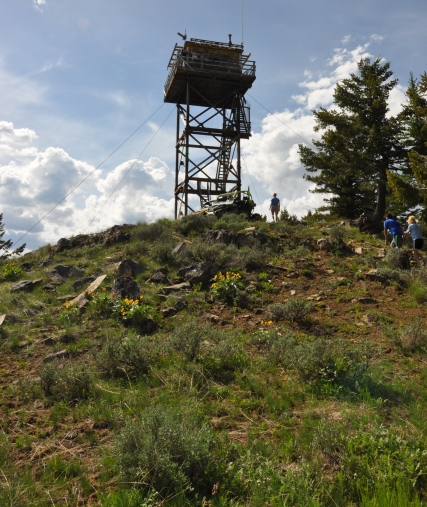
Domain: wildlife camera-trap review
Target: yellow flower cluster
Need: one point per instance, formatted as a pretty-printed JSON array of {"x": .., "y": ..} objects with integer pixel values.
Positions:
[
  {"x": 230, "y": 276},
  {"x": 266, "y": 322}
]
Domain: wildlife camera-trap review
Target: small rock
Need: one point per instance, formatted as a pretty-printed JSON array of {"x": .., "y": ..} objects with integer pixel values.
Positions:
[
  {"x": 25, "y": 285},
  {"x": 364, "y": 301},
  {"x": 175, "y": 288},
  {"x": 46, "y": 262},
  {"x": 360, "y": 250},
  {"x": 246, "y": 316},
  {"x": 48, "y": 341},
  {"x": 159, "y": 277},
  {"x": 50, "y": 287},
  {"x": 27, "y": 266},
  {"x": 258, "y": 311},
  {"x": 375, "y": 277},
  {"x": 213, "y": 318},
  {"x": 293, "y": 292},
  {"x": 56, "y": 355},
  {"x": 180, "y": 249},
  {"x": 370, "y": 318}
]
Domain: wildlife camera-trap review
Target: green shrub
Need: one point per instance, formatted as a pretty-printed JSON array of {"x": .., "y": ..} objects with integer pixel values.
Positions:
[
  {"x": 166, "y": 451},
  {"x": 217, "y": 253},
  {"x": 233, "y": 223},
  {"x": 412, "y": 337},
  {"x": 226, "y": 356},
  {"x": 317, "y": 360},
  {"x": 196, "y": 224},
  {"x": 418, "y": 290},
  {"x": 68, "y": 316},
  {"x": 128, "y": 356},
  {"x": 10, "y": 272},
  {"x": 294, "y": 310},
  {"x": 102, "y": 304},
  {"x": 71, "y": 384},
  {"x": 189, "y": 335},
  {"x": 285, "y": 216},
  {"x": 153, "y": 232}
]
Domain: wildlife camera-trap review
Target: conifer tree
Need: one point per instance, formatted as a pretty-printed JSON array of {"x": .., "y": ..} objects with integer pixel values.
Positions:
[
  {"x": 6, "y": 245},
  {"x": 359, "y": 145},
  {"x": 410, "y": 188}
]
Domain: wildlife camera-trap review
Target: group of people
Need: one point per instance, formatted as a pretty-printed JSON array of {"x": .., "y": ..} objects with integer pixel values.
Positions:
[
  {"x": 390, "y": 224},
  {"x": 398, "y": 235}
]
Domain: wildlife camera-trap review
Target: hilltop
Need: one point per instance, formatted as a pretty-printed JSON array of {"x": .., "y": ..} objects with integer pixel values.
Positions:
[{"x": 214, "y": 362}]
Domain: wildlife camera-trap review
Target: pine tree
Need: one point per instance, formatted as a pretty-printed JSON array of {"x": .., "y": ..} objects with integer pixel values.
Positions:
[
  {"x": 410, "y": 186},
  {"x": 359, "y": 145},
  {"x": 6, "y": 245}
]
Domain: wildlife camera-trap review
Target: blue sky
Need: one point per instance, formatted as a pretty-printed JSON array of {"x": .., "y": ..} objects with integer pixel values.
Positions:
[{"x": 78, "y": 77}]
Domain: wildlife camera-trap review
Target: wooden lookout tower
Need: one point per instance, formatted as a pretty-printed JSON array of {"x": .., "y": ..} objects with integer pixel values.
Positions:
[{"x": 207, "y": 81}]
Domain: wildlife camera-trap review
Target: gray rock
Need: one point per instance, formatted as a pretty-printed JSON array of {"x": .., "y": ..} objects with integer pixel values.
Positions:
[
  {"x": 220, "y": 236},
  {"x": 66, "y": 272},
  {"x": 129, "y": 268},
  {"x": 81, "y": 282},
  {"x": 198, "y": 273},
  {"x": 27, "y": 266},
  {"x": 50, "y": 287},
  {"x": 180, "y": 249},
  {"x": 159, "y": 277},
  {"x": 364, "y": 301},
  {"x": 179, "y": 287},
  {"x": 370, "y": 318},
  {"x": 46, "y": 262},
  {"x": 63, "y": 244},
  {"x": 56, "y": 355},
  {"x": 25, "y": 285},
  {"x": 124, "y": 287}
]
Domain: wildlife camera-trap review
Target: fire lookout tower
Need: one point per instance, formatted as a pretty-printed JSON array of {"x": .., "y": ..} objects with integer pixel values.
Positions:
[{"x": 213, "y": 77}]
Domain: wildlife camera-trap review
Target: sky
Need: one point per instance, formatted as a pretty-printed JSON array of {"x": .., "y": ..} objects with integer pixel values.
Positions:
[{"x": 77, "y": 78}]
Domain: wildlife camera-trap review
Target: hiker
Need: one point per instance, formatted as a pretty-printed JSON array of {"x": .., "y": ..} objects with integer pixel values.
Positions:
[
  {"x": 396, "y": 231},
  {"x": 414, "y": 230},
  {"x": 275, "y": 207}
]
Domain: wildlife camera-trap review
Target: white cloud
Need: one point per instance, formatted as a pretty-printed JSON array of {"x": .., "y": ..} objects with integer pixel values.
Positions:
[
  {"x": 32, "y": 182},
  {"x": 38, "y": 4}
]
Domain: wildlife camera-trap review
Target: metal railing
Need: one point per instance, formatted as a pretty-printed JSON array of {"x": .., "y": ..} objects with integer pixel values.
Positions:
[{"x": 202, "y": 63}]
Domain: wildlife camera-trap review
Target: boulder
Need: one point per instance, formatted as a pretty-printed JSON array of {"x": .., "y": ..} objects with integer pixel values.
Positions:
[
  {"x": 62, "y": 271},
  {"x": 46, "y": 262},
  {"x": 25, "y": 285},
  {"x": 220, "y": 236},
  {"x": 199, "y": 273},
  {"x": 130, "y": 268},
  {"x": 80, "y": 282},
  {"x": 27, "y": 266},
  {"x": 364, "y": 301},
  {"x": 63, "y": 244},
  {"x": 124, "y": 287}
]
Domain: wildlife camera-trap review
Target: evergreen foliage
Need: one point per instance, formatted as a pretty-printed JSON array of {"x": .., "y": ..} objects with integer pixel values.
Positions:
[
  {"x": 360, "y": 144},
  {"x": 6, "y": 245}
]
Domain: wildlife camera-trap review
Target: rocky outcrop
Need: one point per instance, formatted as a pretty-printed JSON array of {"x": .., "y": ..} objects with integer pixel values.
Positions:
[
  {"x": 124, "y": 287},
  {"x": 62, "y": 271},
  {"x": 116, "y": 234},
  {"x": 130, "y": 268},
  {"x": 25, "y": 285}
]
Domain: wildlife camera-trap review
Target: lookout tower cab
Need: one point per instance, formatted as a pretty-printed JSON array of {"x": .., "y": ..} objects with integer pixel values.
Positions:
[{"x": 207, "y": 81}]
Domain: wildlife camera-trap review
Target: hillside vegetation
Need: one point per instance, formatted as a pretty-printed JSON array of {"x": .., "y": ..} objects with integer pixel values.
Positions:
[{"x": 256, "y": 364}]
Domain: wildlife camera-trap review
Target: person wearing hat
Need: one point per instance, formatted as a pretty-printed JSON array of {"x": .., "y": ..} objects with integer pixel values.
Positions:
[
  {"x": 414, "y": 230},
  {"x": 275, "y": 207},
  {"x": 396, "y": 231}
]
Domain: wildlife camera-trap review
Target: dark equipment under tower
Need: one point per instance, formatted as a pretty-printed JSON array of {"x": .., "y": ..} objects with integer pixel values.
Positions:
[{"x": 207, "y": 81}]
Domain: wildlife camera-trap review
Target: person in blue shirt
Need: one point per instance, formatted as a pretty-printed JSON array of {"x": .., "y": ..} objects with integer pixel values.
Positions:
[
  {"x": 396, "y": 231},
  {"x": 275, "y": 207}
]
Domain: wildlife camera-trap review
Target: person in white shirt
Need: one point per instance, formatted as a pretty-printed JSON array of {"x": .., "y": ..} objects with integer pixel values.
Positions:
[{"x": 414, "y": 230}]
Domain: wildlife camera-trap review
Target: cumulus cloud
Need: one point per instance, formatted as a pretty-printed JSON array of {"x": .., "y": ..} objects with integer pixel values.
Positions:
[
  {"x": 38, "y": 4},
  {"x": 272, "y": 155},
  {"x": 32, "y": 182}
]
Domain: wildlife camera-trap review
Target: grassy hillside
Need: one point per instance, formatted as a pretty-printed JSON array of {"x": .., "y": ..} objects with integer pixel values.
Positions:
[{"x": 289, "y": 374}]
